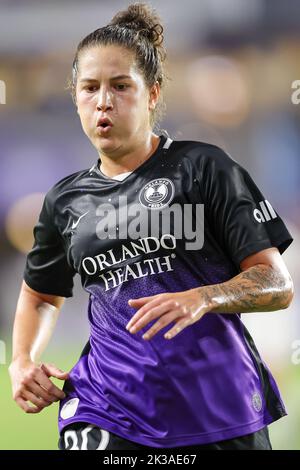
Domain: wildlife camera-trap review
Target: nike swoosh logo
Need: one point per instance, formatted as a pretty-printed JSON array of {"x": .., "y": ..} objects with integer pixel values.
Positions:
[{"x": 74, "y": 225}]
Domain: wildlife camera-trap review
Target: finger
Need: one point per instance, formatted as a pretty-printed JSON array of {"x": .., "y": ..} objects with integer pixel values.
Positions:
[
  {"x": 39, "y": 391},
  {"x": 32, "y": 398},
  {"x": 152, "y": 313},
  {"x": 52, "y": 371},
  {"x": 136, "y": 303},
  {"x": 42, "y": 379},
  {"x": 180, "y": 325},
  {"x": 161, "y": 323},
  {"x": 26, "y": 407},
  {"x": 39, "y": 378},
  {"x": 143, "y": 310},
  {"x": 188, "y": 319}
]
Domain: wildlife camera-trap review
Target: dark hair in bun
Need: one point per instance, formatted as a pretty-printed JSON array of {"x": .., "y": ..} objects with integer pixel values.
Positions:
[
  {"x": 142, "y": 19},
  {"x": 140, "y": 30}
]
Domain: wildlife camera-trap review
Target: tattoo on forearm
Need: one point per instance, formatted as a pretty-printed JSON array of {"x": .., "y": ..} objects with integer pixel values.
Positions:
[{"x": 259, "y": 288}]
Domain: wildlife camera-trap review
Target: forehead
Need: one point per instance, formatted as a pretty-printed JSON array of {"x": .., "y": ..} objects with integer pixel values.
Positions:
[{"x": 108, "y": 60}]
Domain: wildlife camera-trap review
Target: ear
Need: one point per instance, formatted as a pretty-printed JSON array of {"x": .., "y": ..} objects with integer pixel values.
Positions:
[
  {"x": 75, "y": 102},
  {"x": 154, "y": 95}
]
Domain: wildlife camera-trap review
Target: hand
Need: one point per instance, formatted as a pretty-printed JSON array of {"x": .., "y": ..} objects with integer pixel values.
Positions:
[
  {"x": 31, "y": 383},
  {"x": 184, "y": 308}
]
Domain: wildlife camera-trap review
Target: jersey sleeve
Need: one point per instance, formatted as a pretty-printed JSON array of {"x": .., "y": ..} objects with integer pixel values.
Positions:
[
  {"x": 242, "y": 219},
  {"x": 47, "y": 269}
]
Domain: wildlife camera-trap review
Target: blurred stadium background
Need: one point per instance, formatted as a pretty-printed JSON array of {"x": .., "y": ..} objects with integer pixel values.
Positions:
[{"x": 232, "y": 65}]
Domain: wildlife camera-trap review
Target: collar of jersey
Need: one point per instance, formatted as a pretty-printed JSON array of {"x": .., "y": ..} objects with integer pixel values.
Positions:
[{"x": 149, "y": 160}]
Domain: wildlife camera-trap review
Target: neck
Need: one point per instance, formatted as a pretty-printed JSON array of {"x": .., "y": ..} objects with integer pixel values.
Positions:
[{"x": 133, "y": 158}]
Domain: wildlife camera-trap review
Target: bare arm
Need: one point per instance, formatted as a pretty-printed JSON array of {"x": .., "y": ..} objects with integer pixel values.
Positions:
[
  {"x": 263, "y": 285},
  {"x": 30, "y": 335},
  {"x": 35, "y": 319}
]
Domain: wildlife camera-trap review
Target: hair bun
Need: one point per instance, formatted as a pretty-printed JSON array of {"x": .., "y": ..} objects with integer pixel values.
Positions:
[{"x": 143, "y": 19}]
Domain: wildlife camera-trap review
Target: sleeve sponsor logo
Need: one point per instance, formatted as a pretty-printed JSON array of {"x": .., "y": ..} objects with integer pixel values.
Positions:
[{"x": 265, "y": 213}]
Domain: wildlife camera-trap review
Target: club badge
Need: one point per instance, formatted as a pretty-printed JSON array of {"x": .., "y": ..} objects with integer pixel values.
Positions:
[{"x": 157, "y": 193}]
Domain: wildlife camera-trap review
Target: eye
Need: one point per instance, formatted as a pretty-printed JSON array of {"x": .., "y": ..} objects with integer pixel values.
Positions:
[
  {"x": 90, "y": 88},
  {"x": 121, "y": 86}
]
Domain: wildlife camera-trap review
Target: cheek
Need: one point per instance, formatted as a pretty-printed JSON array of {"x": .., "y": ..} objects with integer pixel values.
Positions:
[
  {"x": 85, "y": 99},
  {"x": 85, "y": 108},
  {"x": 134, "y": 105}
]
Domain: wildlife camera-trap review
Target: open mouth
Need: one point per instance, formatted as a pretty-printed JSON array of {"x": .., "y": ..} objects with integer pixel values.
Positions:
[{"x": 104, "y": 128}]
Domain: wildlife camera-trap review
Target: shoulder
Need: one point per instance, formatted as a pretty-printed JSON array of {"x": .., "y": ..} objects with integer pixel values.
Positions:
[
  {"x": 204, "y": 155},
  {"x": 65, "y": 187},
  {"x": 188, "y": 146}
]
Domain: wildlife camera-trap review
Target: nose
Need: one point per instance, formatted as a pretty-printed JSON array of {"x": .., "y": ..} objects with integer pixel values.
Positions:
[{"x": 104, "y": 100}]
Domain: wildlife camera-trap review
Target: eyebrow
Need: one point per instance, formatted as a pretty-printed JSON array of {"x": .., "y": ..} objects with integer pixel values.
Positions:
[{"x": 117, "y": 77}]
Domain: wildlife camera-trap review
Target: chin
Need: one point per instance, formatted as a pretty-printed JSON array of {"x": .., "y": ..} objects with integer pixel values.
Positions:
[{"x": 106, "y": 144}]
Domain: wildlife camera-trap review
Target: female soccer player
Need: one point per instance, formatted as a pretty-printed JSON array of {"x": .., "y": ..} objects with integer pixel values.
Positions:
[{"x": 172, "y": 240}]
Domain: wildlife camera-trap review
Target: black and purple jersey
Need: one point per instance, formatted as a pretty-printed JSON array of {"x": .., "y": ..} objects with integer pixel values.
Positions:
[{"x": 184, "y": 218}]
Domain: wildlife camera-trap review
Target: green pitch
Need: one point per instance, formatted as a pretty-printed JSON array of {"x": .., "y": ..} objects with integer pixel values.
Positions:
[
  {"x": 30, "y": 431},
  {"x": 23, "y": 431}
]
